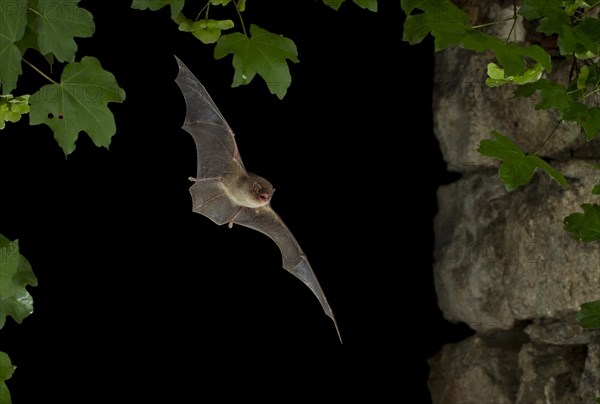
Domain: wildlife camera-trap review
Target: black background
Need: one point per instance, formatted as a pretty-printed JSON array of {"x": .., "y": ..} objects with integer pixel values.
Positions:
[{"x": 126, "y": 270}]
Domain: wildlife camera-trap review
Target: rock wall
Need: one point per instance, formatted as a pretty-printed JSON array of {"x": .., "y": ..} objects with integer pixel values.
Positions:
[{"x": 503, "y": 264}]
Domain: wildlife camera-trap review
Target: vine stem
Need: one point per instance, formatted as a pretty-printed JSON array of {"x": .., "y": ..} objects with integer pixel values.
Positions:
[
  {"x": 548, "y": 138},
  {"x": 597, "y": 90},
  {"x": 592, "y": 7},
  {"x": 514, "y": 24},
  {"x": 237, "y": 9},
  {"x": 594, "y": 91},
  {"x": 39, "y": 71},
  {"x": 487, "y": 24}
]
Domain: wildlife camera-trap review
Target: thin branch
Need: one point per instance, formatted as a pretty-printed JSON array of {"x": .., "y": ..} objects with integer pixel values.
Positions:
[
  {"x": 237, "y": 9},
  {"x": 548, "y": 138},
  {"x": 39, "y": 71},
  {"x": 492, "y": 23}
]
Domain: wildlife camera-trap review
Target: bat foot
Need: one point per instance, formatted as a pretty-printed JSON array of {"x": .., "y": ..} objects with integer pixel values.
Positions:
[{"x": 234, "y": 216}]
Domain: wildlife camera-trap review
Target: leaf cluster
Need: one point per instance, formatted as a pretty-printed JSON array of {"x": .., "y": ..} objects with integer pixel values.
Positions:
[
  {"x": 259, "y": 52},
  {"x": 15, "y": 300},
  {"x": 78, "y": 100},
  {"x": 577, "y": 33}
]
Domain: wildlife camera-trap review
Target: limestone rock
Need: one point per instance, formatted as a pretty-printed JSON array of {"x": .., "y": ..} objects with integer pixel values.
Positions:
[
  {"x": 589, "y": 385},
  {"x": 550, "y": 374},
  {"x": 503, "y": 256},
  {"x": 474, "y": 371},
  {"x": 505, "y": 367},
  {"x": 561, "y": 331}
]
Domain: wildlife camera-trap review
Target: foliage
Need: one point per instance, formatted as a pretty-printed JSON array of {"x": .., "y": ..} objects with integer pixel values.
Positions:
[
  {"x": 366, "y": 4},
  {"x": 517, "y": 167},
  {"x": 15, "y": 300},
  {"x": 6, "y": 372},
  {"x": 12, "y": 108},
  {"x": 584, "y": 226},
  {"x": 589, "y": 316},
  {"x": 76, "y": 103},
  {"x": 262, "y": 52}
]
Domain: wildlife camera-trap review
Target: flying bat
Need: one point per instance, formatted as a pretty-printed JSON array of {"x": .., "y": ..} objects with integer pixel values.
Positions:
[{"x": 225, "y": 192}]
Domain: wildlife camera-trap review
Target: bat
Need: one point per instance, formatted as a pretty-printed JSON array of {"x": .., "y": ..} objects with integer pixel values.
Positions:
[{"x": 225, "y": 192}]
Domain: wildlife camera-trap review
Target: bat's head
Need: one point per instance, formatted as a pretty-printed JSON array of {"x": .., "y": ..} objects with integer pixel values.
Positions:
[{"x": 261, "y": 190}]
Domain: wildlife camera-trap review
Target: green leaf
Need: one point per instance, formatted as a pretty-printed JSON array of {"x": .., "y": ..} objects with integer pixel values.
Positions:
[
  {"x": 263, "y": 53},
  {"x": 6, "y": 367},
  {"x": 584, "y": 74},
  {"x": 241, "y": 5},
  {"x": 517, "y": 167},
  {"x": 57, "y": 24},
  {"x": 556, "y": 96},
  {"x": 596, "y": 189},
  {"x": 510, "y": 55},
  {"x": 554, "y": 19},
  {"x": 589, "y": 316},
  {"x": 497, "y": 76},
  {"x": 78, "y": 103},
  {"x": 445, "y": 21},
  {"x": 448, "y": 25},
  {"x": 207, "y": 31},
  {"x": 584, "y": 226},
  {"x": 13, "y": 20},
  {"x": 6, "y": 371},
  {"x": 15, "y": 275},
  {"x": 535, "y": 9},
  {"x": 12, "y": 108},
  {"x": 576, "y": 4},
  {"x": 370, "y": 5},
  {"x": 591, "y": 123},
  {"x": 220, "y": 2},
  {"x": 335, "y": 4},
  {"x": 153, "y": 5}
]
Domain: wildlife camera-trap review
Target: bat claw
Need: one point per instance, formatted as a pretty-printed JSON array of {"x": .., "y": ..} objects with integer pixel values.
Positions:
[{"x": 193, "y": 179}]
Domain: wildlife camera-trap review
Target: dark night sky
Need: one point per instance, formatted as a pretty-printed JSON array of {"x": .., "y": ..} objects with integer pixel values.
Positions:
[{"x": 122, "y": 261}]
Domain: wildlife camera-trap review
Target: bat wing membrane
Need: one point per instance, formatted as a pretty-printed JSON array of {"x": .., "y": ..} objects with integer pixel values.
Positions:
[
  {"x": 215, "y": 142},
  {"x": 266, "y": 221},
  {"x": 210, "y": 200}
]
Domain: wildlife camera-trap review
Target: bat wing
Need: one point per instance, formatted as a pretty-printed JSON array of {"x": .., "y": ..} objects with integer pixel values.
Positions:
[
  {"x": 266, "y": 221},
  {"x": 215, "y": 142}
]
